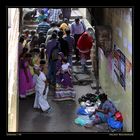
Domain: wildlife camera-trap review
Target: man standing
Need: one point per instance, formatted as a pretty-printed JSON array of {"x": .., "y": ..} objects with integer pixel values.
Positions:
[
  {"x": 43, "y": 26},
  {"x": 77, "y": 28}
]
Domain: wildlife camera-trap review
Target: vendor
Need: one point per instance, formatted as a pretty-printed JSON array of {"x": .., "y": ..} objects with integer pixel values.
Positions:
[{"x": 105, "y": 110}]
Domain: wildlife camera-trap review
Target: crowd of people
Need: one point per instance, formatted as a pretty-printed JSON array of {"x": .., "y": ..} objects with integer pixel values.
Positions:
[{"x": 45, "y": 55}]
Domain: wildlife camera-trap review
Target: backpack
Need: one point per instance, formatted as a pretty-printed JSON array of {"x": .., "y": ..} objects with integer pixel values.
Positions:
[{"x": 54, "y": 53}]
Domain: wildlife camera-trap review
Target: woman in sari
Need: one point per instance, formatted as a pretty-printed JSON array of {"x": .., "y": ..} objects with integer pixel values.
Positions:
[
  {"x": 105, "y": 110},
  {"x": 84, "y": 45},
  {"x": 26, "y": 86}
]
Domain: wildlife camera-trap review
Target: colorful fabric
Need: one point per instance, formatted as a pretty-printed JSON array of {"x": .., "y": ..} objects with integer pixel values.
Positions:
[
  {"x": 25, "y": 87},
  {"x": 64, "y": 86},
  {"x": 58, "y": 69},
  {"x": 64, "y": 93}
]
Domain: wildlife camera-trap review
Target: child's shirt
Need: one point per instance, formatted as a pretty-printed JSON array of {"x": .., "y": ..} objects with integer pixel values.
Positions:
[{"x": 65, "y": 67}]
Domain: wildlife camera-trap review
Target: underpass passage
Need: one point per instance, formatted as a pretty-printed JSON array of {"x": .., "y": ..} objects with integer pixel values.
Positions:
[
  {"x": 63, "y": 114},
  {"x": 61, "y": 119}
]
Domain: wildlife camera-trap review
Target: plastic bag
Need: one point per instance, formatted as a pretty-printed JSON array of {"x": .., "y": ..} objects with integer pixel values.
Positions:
[
  {"x": 83, "y": 120},
  {"x": 118, "y": 116},
  {"x": 114, "y": 123},
  {"x": 82, "y": 111}
]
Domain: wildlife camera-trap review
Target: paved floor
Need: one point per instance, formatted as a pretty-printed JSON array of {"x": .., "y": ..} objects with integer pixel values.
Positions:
[{"x": 61, "y": 119}]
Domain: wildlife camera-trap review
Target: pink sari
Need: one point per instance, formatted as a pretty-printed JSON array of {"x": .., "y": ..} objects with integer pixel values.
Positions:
[{"x": 25, "y": 87}]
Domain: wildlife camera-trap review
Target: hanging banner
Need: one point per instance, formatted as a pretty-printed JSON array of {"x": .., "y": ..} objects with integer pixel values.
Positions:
[
  {"x": 128, "y": 74},
  {"x": 119, "y": 67}
]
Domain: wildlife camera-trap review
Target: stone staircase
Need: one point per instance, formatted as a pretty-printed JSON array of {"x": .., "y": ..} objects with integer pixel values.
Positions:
[{"x": 79, "y": 78}]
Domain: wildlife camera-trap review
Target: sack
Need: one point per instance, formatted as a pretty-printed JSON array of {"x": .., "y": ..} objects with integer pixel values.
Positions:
[{"x": 54, "y": 54}]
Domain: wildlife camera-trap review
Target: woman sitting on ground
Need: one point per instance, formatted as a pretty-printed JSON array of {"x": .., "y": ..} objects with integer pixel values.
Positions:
[{"x": 105, "y": 110}]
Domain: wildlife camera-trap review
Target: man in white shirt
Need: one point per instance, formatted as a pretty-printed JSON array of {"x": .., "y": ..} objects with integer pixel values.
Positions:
[{"x": 77, "y": 29}]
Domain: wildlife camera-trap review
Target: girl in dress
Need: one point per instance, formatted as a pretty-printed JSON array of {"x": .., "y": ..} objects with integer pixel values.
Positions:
[
  {"x": 66, "y": 74},
  {"x": 65, "y": 91}
]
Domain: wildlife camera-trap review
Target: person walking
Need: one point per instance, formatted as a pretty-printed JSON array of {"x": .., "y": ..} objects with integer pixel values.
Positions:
[
  {"x": 77, "y": 29},
  {"x": 84, "y": 45}
]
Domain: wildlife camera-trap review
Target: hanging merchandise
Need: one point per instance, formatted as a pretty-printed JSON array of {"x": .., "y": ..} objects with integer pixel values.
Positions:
[{"x": 119, "y": 68}]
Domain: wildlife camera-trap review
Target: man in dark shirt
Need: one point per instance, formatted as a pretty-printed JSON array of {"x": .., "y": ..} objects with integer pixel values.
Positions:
[{"x": 63, "y": 44}]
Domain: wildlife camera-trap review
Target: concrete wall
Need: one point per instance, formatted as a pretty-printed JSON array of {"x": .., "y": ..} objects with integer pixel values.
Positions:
[
  {"x": 120, "y": 20},
  {"x": 85, "y": 13},
  {"x": 13, "y": 33}
]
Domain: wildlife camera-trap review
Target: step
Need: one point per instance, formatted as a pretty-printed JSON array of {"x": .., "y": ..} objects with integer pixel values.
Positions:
[
  {"x": 79, "y": 64},
  {"x": 76, "y": 13},
  {"x": 30, "y": 27},
  {"x": 88, "y": 61}
]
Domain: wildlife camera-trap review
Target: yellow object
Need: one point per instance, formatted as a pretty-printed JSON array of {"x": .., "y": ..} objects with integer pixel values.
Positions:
[
  {"x": 64, "y": 26},
  {"x": 31, "y": 70}
]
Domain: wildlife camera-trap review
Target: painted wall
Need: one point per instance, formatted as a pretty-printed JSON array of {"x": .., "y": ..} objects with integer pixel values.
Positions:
[
  {"x": 120, "y": 20},
  {"x": 13, "y": 33},
  {"x": 85, "y": 13}
]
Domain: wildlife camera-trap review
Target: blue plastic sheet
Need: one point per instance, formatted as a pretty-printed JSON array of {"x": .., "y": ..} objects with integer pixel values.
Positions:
[
  {"x": 81, "y": 111},
  {"x": 114, "y": 124},
  {"x": 83, "y": 120}
]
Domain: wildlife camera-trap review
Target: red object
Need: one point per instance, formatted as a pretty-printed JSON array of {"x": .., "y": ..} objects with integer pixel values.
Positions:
[
  {"x": 84, "y": 45},
  {"x": 85, "y": 42},
  {"x": 118, "y": 116}
]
